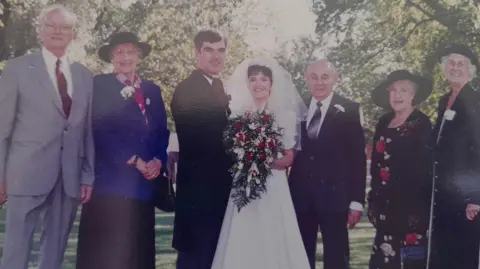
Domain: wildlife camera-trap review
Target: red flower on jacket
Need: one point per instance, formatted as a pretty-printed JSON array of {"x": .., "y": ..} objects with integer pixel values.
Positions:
[
  {"x": 380, "y": 146},
  {"x": 411, "y": 239},
  {"x": 385, "y": 174}
]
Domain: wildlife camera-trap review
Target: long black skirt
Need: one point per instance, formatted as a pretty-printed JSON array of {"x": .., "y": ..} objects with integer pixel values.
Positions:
[{"x": 116, "y": 233}]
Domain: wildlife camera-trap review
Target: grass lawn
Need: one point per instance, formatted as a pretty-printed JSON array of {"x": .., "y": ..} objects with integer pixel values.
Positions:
[{"x": 360, "y": 243}]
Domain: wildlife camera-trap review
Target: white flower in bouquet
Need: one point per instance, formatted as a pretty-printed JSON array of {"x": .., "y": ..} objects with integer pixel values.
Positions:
[
  {"x": 252, "y": 126},
  {"x": 254, "y": 169},
  {"x": 127, "y": 92},
  {"x": 240, "y": 153}
]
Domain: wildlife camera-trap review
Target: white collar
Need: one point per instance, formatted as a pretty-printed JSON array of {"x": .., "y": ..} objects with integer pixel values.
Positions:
[
  {"x": 325, "y": 103},
  {"x": 209, "y": 79},
  {"x": 51, "y": 59}
]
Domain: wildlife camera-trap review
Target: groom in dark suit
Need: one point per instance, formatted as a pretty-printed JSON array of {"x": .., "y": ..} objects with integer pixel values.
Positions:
[
  {"x": 200, "y": 111},
  {"x": 327, "y": 180}
]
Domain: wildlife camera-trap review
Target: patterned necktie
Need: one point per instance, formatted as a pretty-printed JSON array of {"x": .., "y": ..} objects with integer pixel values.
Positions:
[
  {"x": 139, "y": 99},
  {"x": 62, "y": 89},
  {"x": 313, "y": 127}
]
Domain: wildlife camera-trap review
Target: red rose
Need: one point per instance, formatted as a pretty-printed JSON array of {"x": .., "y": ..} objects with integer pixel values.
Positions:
[
  {"x": 263, "y": 156},
  {"x": 246, "y": 138},
  {"x": 265, "y": 118},
  {"x": 411, "y": 239},
  {"x": 250, "y": 156},
  {"x": 259, "y": 130},
  {"x": 241, "y": 137},
  {"x": 381, "y": 146},
  {"x": 271, "y": 144},
  {"x": 261, "y": 145},
  {"x": 238, "y": 126},
  {"x": 384, "y": 174}
]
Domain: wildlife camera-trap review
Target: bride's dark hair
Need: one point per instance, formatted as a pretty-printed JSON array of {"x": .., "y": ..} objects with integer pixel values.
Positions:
[{"x": 255, "y": 69}]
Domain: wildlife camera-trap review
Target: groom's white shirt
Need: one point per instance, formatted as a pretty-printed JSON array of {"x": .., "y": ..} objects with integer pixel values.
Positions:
[
  {"x": 311, "y": 111},
  {"x": 209, "y": 80}
]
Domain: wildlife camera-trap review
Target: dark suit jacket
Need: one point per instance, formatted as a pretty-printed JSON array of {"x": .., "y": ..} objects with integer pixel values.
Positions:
[
  {"x": 203, "y": 182},
  {"x": 330, "y": 171},
  {"x": 457, "y": 153},
  {"x": 120, "y": 131}
]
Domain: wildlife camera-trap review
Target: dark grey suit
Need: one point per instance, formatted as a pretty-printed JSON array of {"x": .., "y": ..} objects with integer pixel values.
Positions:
[{"x": 44, "y": 157}]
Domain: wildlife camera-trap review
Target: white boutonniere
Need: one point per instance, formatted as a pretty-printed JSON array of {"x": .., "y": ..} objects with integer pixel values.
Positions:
[
  {"x": 147, "y": 101},
  {"x": 339, "y": 107},
  {"x": 449, "y": 114},
  {"x": 127, "y": 92}
]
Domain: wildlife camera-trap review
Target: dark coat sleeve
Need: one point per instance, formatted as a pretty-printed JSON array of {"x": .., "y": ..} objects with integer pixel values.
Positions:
[
  {"x": 414, "y": 190},
  {"x": 374, "y": 170},
  {"x": 357, "y": 158},
  {"x": 162, "y": 133}
]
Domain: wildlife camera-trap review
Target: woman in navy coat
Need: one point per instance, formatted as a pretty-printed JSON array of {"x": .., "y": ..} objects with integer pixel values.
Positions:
[{"x": 131, "y": 139}]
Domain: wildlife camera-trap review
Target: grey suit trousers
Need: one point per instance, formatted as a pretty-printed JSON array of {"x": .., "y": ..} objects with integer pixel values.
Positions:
[{"x": 57, "y": 212}]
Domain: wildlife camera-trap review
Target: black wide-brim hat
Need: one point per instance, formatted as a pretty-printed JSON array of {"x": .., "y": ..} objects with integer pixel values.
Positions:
[
  {"x": 123, "y": 38},
  {"x": 462, "y": 50},
  {"x": 424, "y": 87}
]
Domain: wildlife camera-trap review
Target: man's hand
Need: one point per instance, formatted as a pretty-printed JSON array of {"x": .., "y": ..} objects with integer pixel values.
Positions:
[
  {"x": 3, "y": 193},
  {"x": 153, "y": 168},
  {"x": 353, "y": 218},
  {"x": 171, "y": 162},
  {"x": 85, "y": 193},
  {"x": 472, "y": 211}
]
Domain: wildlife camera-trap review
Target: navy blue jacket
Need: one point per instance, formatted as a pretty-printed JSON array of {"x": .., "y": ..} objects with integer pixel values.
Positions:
[{"x": 120, "y": 131}]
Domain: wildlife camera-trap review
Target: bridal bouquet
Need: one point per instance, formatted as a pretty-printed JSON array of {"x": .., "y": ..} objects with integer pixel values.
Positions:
[{"x": 254, "y": 142}]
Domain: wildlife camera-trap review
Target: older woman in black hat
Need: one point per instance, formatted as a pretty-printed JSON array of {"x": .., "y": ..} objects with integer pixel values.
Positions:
[
  {"x": 131, "y": 139},
  {"x": 398, "y": 206},
  {"x": 456, "y": 142}
]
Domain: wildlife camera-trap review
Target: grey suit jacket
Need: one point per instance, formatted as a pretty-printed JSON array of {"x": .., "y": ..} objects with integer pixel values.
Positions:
[{"x": 38, "y": 144}]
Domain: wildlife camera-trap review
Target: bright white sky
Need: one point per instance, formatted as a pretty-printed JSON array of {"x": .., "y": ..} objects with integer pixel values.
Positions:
[{"x": 279, "y": 21}]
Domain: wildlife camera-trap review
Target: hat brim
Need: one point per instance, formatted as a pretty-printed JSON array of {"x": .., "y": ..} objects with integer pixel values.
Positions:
[
  {"x": 462, "y": 50},
  {"x": 105, "y": 51},
  {"x": 381, "y": 96}
]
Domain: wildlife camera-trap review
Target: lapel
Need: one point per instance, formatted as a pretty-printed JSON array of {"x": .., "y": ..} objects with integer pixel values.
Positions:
[
  {"x": 331, "y": 114},
  {"x": 42, "y": 75},
  {"x": 148, "y": 105},
  {"x": 78, "y": 92}
]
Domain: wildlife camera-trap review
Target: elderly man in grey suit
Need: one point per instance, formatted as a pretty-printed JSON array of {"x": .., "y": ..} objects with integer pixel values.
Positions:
[{"x": 46, "y": 147}]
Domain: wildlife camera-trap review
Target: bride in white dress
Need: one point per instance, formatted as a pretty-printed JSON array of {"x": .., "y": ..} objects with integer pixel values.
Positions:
[{"x": 264, "y": 234}]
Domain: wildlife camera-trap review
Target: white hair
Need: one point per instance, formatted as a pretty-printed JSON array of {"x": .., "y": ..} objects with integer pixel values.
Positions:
[
  {"x": 329, "y": 65},
  {"x": 472, "y": 69},
  {"x": 66, "y": 12}
]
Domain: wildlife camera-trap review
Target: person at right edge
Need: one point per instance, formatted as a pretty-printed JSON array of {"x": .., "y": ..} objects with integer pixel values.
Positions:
[{"x": 456, "y": 146}]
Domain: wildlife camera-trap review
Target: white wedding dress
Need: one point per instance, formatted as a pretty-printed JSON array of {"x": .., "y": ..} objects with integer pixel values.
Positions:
[{"x": 265, "y": 233}]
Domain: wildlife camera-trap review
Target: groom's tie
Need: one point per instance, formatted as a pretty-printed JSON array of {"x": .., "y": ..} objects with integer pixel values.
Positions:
[{"x": 313, "y": 127}]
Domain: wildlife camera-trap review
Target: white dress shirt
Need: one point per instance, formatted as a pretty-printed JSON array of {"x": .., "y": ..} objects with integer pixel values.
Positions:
[
  {"x": 313, "y": 107},
  {"x": 209, "y": 79},
  {"x": 311, "y": 111},
  {"x": 51, "y": 63}
]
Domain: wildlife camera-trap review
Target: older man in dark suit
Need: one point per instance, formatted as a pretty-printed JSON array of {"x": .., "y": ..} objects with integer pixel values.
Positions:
[{"x": 328, "y": 176}]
